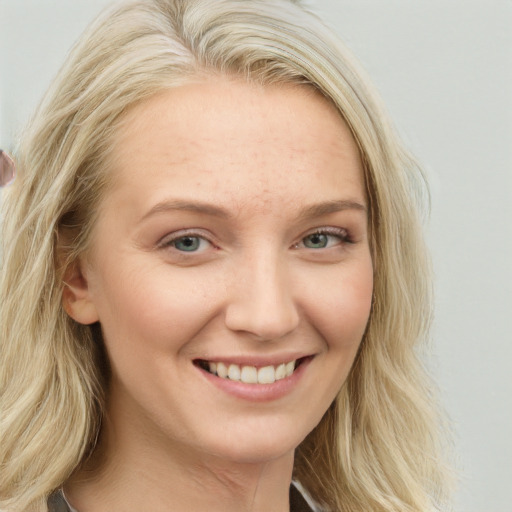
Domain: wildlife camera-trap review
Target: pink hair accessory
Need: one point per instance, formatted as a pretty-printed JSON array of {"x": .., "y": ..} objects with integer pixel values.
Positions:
[{"x": 7, "y": 169}]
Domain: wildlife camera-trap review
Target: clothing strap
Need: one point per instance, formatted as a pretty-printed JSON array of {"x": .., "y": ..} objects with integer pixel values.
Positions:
[
  {"x": 297, "y": 501},
  {"x": 57, "y": 503}
]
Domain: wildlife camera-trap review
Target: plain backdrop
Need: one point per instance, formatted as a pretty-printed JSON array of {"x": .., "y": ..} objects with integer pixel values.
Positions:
[{"x": 444, "y": 68}]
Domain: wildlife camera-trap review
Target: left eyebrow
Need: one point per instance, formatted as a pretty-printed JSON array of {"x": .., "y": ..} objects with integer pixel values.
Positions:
[{"x": 317, "y": 210}]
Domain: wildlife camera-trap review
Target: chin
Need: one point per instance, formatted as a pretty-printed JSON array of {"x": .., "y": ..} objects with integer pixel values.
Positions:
[
  {"x": 263, "y": 444},
  {"x": 255, "y": 454}
]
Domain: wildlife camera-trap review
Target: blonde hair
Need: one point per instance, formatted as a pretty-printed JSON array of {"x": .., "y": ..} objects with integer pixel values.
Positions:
[{"x": 377, "y": 448}]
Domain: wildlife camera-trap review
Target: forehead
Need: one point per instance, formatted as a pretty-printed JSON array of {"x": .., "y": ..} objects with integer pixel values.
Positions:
[{"x": 232, "y": 141}]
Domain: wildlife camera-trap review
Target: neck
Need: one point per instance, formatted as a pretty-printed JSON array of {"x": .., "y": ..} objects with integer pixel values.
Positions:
[{"x": 163, "y": 476}]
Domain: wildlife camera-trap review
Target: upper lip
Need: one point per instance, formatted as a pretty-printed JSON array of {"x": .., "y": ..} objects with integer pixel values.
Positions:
[{"x": 256, "y": 360}]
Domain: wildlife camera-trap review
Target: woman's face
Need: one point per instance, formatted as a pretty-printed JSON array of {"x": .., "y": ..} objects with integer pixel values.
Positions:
[{"x": 233, "y": 240}]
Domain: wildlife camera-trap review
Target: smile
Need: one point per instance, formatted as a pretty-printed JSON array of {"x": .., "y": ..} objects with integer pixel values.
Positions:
[{"x": 250, "y": 374}]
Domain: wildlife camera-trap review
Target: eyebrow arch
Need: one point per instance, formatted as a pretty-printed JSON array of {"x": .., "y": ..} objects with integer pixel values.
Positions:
[
  {"x": 316, "y": 210},
  {"x": 327, "y": 207},
  {"x": 188, "y": 206}
]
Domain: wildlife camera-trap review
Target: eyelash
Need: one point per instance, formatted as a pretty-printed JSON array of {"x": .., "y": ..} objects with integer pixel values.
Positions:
[{"x": 341, "y": 234}]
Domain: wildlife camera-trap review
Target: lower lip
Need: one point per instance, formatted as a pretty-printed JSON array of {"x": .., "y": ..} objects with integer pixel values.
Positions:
[{"x": 258, "y": 392}]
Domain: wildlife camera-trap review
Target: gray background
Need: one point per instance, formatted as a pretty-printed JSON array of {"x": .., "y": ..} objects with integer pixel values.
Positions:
[{"x": 444, "y": 68}]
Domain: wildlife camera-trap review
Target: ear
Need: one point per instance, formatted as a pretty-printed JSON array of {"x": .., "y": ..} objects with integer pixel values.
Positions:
[{"x": 76, "y": 298}]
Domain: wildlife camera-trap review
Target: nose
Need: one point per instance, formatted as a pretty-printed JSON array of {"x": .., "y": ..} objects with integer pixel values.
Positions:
[{"x": 261, "y": 299}]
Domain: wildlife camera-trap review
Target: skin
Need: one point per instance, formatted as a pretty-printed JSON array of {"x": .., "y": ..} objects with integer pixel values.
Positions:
[{"x": 281, "y": 165}]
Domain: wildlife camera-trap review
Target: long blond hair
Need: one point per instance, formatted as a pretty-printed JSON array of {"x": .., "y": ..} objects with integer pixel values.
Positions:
[{"x": 377, "y": 448}]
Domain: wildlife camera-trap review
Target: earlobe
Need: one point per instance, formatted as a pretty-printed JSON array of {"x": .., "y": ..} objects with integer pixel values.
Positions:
[{"x": 76, "y": 298}]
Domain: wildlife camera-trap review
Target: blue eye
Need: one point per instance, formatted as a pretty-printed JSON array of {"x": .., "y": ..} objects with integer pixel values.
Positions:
[
  {"x": 325, "y": 238},
  {"x": 316, "y": 241},
  {"x": 187, "y": 243},
  {"x": 183, "y": 242}
]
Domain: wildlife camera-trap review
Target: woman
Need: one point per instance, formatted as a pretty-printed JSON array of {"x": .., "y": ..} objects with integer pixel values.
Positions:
[{"x": 213, "y": 279}]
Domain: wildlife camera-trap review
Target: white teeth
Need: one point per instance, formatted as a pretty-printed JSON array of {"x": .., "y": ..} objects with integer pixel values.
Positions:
[
  {"x": 234, "y": 372},
  {"x": 281, "y": 371},
  {"x": 251, "y": 374},
  {"x": 222, "y": 370},
  {"x": 266, "y": 375}
]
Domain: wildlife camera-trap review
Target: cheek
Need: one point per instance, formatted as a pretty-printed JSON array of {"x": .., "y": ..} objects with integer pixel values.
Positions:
[
  {"x": 153, "y": 310},
  {"x": 341, "y": 314},
  {"x": 341, "y": 307}
]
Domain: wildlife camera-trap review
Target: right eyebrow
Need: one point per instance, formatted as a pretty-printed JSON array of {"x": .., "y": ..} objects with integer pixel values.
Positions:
[{"x": 195, "y": 206}]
